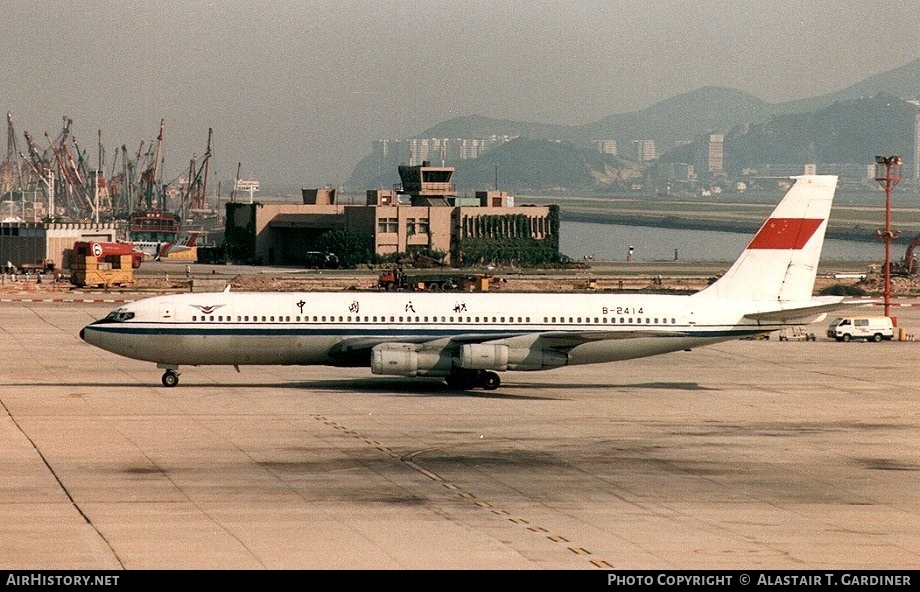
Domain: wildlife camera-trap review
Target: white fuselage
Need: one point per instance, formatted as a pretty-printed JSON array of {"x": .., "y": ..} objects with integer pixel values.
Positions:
[{"x": 236, "y": 328}]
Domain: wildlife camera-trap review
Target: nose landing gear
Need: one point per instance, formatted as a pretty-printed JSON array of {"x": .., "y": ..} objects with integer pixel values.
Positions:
[{"x": 171, "y": 376}]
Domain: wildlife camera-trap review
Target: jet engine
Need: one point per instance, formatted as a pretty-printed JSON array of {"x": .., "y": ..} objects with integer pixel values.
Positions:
[
  {"x": 489, "y": 356},
  {"x": 405, "y": 359}
]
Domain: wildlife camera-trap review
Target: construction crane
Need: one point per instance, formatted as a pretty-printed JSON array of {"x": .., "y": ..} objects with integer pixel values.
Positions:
[
  {"x": 35, "y": 158},
  {"x": 80, "y": 204},
  {"x": 202, "y": 203},
  {"x": 40, "y": 167},
  {"x": 66, "y": 174},
  {"x": 134, "y": 179},
  {"x": 236, "y": 182},
  {"x": 121, "y": 185},
  {"x": 101, "y": 196},
  {"x": 197, "y": 187},
  {"x": 150, "y": 178},
  {"x": 42, "y": 173},
  {"x": 11, "y": 179}
]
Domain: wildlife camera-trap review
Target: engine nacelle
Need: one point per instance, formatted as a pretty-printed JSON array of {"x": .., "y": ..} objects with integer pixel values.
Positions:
[
  {"x": 487, "y": 356},
  {"x": 404, "y": 359},
  {"x": 484, "y": 356}
]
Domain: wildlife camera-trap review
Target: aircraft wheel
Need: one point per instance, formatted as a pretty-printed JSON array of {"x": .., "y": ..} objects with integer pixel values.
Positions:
[
  {"x": 490, "y": 381},
  {"x": 170, "y": 378}
]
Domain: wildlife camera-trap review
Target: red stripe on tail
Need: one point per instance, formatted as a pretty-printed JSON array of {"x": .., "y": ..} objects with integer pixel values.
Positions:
[{"x": 785, "y": 233}]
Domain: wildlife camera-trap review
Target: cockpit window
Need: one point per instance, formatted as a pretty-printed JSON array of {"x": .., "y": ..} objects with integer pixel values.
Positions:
[{"x": 119, "y": 316}]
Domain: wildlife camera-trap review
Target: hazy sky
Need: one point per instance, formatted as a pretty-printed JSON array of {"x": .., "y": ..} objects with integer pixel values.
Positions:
[{"x": 297, "y": 90}]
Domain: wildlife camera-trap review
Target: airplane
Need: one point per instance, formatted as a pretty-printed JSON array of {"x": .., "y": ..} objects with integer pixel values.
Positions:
[
  {"x": 468, "y": 338},
  {"x": 159, "y": 249}
]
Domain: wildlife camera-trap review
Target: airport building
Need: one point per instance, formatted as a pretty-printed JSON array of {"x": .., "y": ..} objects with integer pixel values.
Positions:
[
  {"x": 30, "y": 242},
  {"x": 424, "y": 214}
]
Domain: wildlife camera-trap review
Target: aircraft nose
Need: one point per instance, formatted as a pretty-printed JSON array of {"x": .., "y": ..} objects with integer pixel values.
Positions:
[{"x": 82, "y": 334}]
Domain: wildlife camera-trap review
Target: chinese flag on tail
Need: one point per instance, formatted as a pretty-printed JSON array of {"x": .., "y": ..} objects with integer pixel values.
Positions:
[{"x": 785, "y": 233}]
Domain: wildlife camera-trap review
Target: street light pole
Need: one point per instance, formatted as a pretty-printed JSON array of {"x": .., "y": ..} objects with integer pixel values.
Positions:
[{"x": 891, "y": 167}]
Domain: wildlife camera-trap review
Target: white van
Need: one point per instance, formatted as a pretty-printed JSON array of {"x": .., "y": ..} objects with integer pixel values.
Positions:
[{"x": 868, "y": 328}]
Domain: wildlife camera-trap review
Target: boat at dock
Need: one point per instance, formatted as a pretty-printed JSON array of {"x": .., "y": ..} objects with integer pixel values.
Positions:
[{"x": 153, "y": 231}]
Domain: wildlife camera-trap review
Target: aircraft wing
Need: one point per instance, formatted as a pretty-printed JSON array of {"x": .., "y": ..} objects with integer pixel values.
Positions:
[
  {"x": 358, "y": 347},
  {"x": 569, "y": 339},
  {"x": 367, "y": 342},
  {"x": 794, "y": 313}
]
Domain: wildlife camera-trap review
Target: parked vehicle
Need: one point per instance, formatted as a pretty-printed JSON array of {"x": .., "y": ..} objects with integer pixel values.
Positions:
[
  {"x": 320, "y": 260},
  {"x": 796, "y": 334},
  {"x": 865, "y": 328}
]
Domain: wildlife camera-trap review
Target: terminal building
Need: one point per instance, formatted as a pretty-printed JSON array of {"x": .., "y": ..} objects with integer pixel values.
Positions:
[{"x": 423, "y": 214}]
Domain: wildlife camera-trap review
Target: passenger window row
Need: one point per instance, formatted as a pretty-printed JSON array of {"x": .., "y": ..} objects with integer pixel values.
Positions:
[{"x": 425, "y": 319}]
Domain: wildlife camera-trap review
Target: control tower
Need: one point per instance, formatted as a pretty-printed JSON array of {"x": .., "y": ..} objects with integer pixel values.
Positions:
[{"x": 428, "y": 185}]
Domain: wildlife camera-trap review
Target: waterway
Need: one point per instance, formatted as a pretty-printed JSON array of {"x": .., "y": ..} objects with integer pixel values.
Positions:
[{"x": 610, "y": 242}]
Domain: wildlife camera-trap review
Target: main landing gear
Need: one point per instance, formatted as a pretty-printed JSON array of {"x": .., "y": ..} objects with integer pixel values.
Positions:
[
  {"x": 171, "y": 376},
  {"x": 464, "y": 380}
]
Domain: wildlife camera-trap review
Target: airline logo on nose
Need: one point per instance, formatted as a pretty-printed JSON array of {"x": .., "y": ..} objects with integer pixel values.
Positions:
[
  {"x": 206, "y": 309},
  {"x": 785, "y": 233}
]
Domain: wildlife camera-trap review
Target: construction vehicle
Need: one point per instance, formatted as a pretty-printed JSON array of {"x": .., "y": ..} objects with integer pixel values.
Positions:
[
  {"x": 40, "y": 266},
  {"x": 400, "y": 280},
  {"x": 103, "y": 264},
  {"x": 907, "y": 266}
]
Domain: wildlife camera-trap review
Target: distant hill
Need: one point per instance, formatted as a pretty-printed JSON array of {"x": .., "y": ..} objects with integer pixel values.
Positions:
[
  {"x": 849, "y": 125},
  {"x": 845, "y": 132},
  {"x": 901, "y": 82},
  {"x": 680, "y": 118},
  {"x": 543, "y": 166}
]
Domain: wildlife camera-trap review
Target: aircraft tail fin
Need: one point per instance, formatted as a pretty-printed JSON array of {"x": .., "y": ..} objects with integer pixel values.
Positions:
[{"x": 781, "y": 261}]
